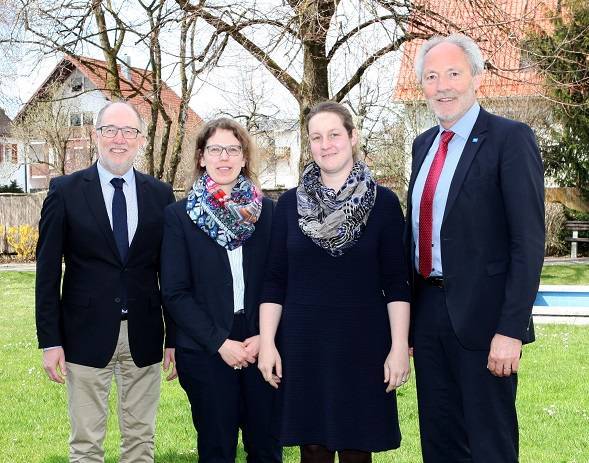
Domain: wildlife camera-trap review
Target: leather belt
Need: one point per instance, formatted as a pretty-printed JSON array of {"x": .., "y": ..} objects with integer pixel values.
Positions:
[{"x": 437, "y": 282}]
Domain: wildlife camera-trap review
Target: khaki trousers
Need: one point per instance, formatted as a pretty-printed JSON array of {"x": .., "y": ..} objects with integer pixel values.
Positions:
[{"x": 138, "y": 398}]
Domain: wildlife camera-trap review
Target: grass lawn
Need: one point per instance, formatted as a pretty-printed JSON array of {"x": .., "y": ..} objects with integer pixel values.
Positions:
[
  {"x": 553, "y": 397},
  {"x": 574, "y": 274}
]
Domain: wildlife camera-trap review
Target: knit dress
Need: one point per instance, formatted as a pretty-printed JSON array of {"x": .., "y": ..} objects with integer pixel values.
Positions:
[{"x": 334, "y": 333}]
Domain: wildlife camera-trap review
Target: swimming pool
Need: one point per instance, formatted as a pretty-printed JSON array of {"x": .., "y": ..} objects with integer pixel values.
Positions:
[
  {"x": 562, "y": 304},
  {"x": 562, "y": 296}
]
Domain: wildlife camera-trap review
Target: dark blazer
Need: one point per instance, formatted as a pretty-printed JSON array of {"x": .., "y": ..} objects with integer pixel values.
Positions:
[
  {"x": 197, "y": 285},
  {"x": 85, "y": 315},
  {"x": 492, "y": 235}
]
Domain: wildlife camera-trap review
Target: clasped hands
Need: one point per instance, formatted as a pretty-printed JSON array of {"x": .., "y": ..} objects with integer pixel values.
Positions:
[{"x": 239, "y": 354}]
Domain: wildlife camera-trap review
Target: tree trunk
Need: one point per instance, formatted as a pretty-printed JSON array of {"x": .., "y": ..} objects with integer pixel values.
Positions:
[
  {"x": 164, "y": 145},
  {"x": 316, "y": 17},
  {"x": 150, "y": 136}
]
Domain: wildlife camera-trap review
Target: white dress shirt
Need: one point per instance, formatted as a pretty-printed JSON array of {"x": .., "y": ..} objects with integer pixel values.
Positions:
[
  {"x": 130, "y": 191},
  {"x": 462, "y": 129},
  {"x": 236, "y": 264}
]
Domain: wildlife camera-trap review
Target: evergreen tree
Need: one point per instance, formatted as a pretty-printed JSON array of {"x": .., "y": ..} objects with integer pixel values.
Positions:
[
  {"x": 562, "y": 57},
  {"x": 11, "y": 188}
]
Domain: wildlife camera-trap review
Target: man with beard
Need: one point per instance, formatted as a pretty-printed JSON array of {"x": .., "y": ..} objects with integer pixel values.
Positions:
[{"x": 106, "y": 222}]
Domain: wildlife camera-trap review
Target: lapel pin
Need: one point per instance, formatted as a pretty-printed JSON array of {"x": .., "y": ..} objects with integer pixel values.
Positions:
[{"x": 474, "y": 140}]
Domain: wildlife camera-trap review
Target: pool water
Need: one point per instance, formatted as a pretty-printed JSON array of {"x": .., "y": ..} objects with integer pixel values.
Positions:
[{"x": 562, "y": 299}]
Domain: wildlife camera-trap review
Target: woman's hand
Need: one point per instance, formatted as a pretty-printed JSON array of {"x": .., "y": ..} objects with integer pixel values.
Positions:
[
  {"x": 235, "y": 354},
  {"x": 396, "y": 368},
  {"x": 270, "y": 364},
  {"x": 252, "y": 345}
]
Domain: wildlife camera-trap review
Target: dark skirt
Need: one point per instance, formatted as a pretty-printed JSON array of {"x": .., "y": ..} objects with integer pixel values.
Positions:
[{"x": 333, "y": 391}]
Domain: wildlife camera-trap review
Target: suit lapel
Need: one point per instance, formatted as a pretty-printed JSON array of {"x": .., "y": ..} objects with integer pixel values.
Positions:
[
  {"x": 473, "y": 144},
  {"x": 95, "y": 200},
  {"x": 247, "y": 258},
  {"x": 141, "y": 192},
  {"x": 420, "y": 155}
]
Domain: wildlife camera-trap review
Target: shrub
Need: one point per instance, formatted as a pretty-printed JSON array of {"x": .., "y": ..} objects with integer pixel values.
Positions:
[
  {"x": 555, "y": 217},
  {"x": 11, "y": 188},
  {"x": 23, "y": 240}
]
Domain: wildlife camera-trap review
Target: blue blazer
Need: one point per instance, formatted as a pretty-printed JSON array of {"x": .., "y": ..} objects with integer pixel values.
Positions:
[
  {"x": 84, "y": 314},
  {"x": 492, "y": 234},
  {"x": 197, "y": 285}
]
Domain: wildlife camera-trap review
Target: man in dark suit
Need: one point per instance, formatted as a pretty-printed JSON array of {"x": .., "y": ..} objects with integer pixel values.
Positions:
[
  {"x": 106, "y": 222},
  {"x": 475, "y": 234}
]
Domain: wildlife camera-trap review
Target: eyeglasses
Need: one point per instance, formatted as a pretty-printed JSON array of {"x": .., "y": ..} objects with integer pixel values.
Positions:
[
  {"x": 215, "y": 151},
  {"x": 110, "y": 131}
]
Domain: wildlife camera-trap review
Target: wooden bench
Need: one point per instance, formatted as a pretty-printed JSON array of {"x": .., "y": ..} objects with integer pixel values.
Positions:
[{"x": 576, "y": 226}]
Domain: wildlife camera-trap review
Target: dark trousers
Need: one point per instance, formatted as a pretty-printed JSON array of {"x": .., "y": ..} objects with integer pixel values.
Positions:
[
  {"x": 223, "y": 400},
  {"x": 465, "y": 413}
]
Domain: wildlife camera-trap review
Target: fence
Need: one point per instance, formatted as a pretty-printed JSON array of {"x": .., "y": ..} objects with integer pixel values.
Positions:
[
  {"x": 24, "y": 209},
  {"x": 18, "y": 209}
]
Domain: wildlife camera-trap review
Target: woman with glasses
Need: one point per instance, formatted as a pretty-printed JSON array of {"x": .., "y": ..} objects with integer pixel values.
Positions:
[
  {"x": 213, "y": 254},
  {"x": 337, "y": 285}
]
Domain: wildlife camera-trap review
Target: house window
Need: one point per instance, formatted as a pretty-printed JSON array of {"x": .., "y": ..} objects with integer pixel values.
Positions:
[
  {"x": 88, "y": 118},
  {"x": 77, "y": 84},
  {"x": 527, "y": 58},
  {"x": 75, "y": 120},
  {"x": 79, "y": 119},
  {"x": 9, "y": 153}
]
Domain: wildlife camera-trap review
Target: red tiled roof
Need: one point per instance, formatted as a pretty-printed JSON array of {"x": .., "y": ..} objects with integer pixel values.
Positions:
[
  {"x": 498, "y": 39},
  {"x": 138, "y": 91}
]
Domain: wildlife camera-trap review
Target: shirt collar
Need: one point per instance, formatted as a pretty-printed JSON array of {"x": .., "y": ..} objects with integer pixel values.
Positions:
[
  {"x": 463, "y": 126},
  {"x": 106, "y": 176}
]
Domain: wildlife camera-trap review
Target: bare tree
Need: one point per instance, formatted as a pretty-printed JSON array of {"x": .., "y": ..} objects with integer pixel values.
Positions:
[
  {"x": 75, "y": 28},
  {"x": 49, "y": 136},
  {"x": 251, "y": 102},
  {"x": 299, "y": 42},
  {"x": 113, "y": 83}
]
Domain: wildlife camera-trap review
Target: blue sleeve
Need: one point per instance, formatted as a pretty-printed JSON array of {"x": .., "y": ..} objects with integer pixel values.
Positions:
[
  {"x": 393, "y": 268},
  {"x": 275, "y": 281},
  {"x": 50, "y": 249},
  {"x": 177, "y": 287}
]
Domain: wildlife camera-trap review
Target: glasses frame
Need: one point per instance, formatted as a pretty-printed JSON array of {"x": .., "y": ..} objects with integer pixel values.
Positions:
[
  {"x": 121, "y": 129},
  {"x": 223, "y": 148}
]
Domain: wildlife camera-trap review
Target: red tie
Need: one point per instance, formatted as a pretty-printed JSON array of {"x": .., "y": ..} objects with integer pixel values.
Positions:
[{"x": 426, "y": 205}]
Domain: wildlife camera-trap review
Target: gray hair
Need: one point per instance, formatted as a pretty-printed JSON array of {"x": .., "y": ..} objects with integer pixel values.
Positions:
[
  {"x": 469, "y": 47},
  {"x": 126, "y": 103}
]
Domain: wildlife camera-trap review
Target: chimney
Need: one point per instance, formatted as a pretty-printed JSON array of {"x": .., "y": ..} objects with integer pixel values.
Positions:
[{"x": 127, "y": 68}]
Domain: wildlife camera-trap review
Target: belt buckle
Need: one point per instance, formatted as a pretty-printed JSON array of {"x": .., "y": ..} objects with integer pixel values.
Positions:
[{"x": 437, "y": 282}]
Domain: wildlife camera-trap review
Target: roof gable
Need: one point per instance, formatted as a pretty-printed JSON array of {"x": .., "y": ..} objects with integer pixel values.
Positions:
[{"x": 136, "y": 89}]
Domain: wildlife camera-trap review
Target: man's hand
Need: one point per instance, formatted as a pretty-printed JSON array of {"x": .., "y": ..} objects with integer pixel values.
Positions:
[
  {"x": 170, "y": 361},
  {"x": 504, "y": 355},
  {"x": 54, "y": 364}
]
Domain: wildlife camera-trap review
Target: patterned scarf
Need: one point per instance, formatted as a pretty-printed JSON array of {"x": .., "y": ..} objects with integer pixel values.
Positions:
[
  {"x": 227, "y": 219},
  {"x": 335, "y": 220}
]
